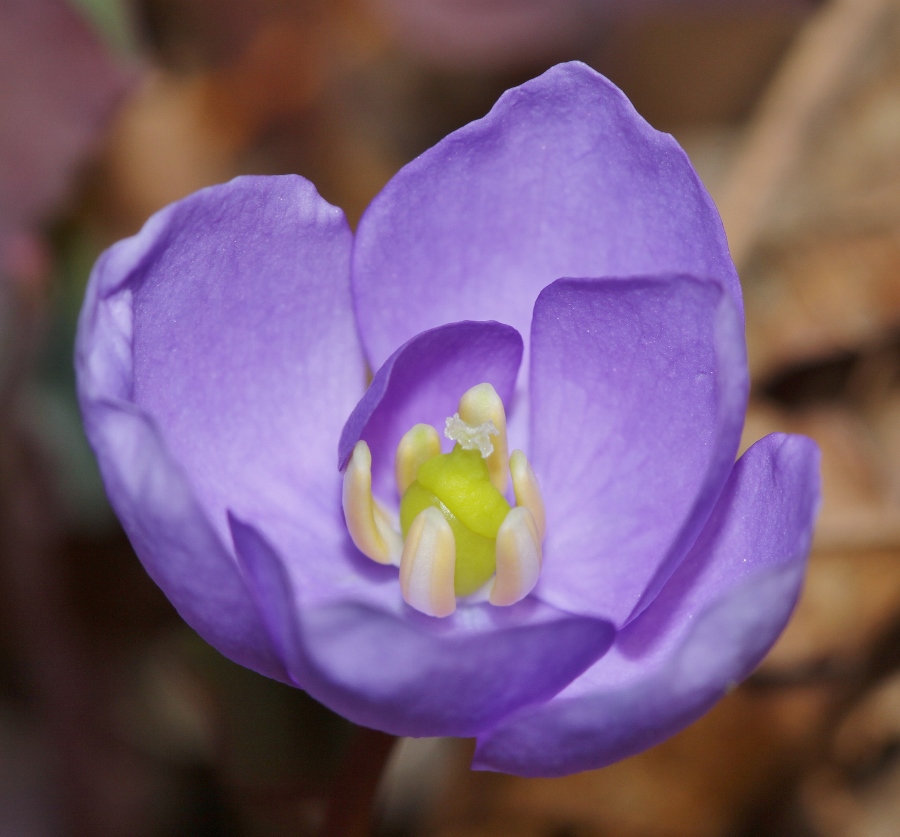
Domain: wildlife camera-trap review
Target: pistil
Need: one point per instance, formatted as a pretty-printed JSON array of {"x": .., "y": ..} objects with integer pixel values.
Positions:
[{"x": 457, "y": 534}]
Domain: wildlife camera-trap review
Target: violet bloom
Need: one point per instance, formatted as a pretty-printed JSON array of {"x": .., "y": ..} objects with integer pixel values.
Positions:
[{"x": 222, "y": 360}]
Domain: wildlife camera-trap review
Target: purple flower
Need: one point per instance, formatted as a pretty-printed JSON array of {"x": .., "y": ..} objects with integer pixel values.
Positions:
[{"x": 222, "y": 360}]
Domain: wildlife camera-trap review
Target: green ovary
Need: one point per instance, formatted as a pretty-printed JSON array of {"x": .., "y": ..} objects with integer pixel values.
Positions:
[{"x": 459, "y": 485}]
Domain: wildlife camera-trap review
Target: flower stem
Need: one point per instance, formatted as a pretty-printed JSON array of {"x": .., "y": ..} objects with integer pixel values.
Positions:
[{"x": 353, "y": 791}]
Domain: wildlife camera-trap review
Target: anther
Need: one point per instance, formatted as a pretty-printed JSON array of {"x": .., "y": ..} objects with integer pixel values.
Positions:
[
  {"x": 428, "y": 563},
  {"x": 527, "y": 490},
  {"x": 469, "y": 436},
  {"x": 367, "y": 523},
  {"x": 477, "y": 406},
  {"x": 418, "y": 445},
  {"x": 518, "y": 558}
]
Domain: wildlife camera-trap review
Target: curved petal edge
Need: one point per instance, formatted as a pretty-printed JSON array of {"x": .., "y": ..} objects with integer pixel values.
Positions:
[
  {"x": 562, "y": 178},
  {"x": 707, "y": 630},
  {"x": 179, "y": 418},
  {"x": 176, "y": 543},
  {"x": 410, "y": 674},
  {"x": 422, "y": 383},
  {"x": 638, "y": 394}
]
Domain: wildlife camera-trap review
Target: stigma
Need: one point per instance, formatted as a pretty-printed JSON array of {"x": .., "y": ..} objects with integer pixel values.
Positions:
[{"x": 457, "y": 535}]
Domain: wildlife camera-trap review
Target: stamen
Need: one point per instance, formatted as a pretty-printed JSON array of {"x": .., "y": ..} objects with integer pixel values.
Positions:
[
  {"x": 518, "y": 558},
  {"x": 428, "y": 563},
  {"x": 461, "y": 536},
  {"x": 527, "y": 490},
  {"x": 481, "y": 405},
  {"x": 471, "y": 437},
  {"x": 367, "y": 523},
  {"x": 418, "y": 445}
]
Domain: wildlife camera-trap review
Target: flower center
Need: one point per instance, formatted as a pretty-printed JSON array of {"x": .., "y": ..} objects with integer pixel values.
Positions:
[
  {"x": 459, "y": 486},
  {"x": 458, "y": 534}
]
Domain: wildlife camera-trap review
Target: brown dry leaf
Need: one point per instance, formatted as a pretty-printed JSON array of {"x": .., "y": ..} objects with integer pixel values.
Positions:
[
  {"x": 856, "y": 793},
  {"x": 858, "y": 506},
  {"x": 516, "y": 827},
  {"x": 849, "y": 172},
  {"x": 850, "y": 599},
  {"x": 821, "y": 269},
  {"x": 821, "y": 292},
  {"x": 821, "y": 273},
  {"x": 698, "y": 69},
  {"x": 695, "y": 784},
  {"x": 182, "y": 132}
]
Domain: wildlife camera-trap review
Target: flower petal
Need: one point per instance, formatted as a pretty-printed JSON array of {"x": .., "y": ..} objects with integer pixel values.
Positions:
[
  {"x": 561, "y": 178},
  {"x": 171, "y": 535},
  {"x": 638, "y": 393},
  {"x": 422, "y": 383},
  {"x": 706, "y": 631},
  {"x": 409, "y": 674},
  {"x": 243, "y": 347},
  {"x": 224, "y": 330}
]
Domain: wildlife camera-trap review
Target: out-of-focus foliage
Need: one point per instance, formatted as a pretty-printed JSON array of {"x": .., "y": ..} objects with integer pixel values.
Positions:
[
  {"x": 492, "y": 35},
  {"x": 60, "y": 84}
]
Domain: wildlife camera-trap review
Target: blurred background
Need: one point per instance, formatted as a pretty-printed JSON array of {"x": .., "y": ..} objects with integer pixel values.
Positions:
[{"x": 116, "y": 720}]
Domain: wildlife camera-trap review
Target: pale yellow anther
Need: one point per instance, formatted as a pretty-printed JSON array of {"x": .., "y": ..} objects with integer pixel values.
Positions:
[
  {"x": 428, "y": 563},
  {"x": 418, "y": 445},
  {"x": 518, "y": 558},
  {"x": 367, "y": 523},
  {"x": 477, "y": 406},
  {"x": 527, "y": 490}
]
